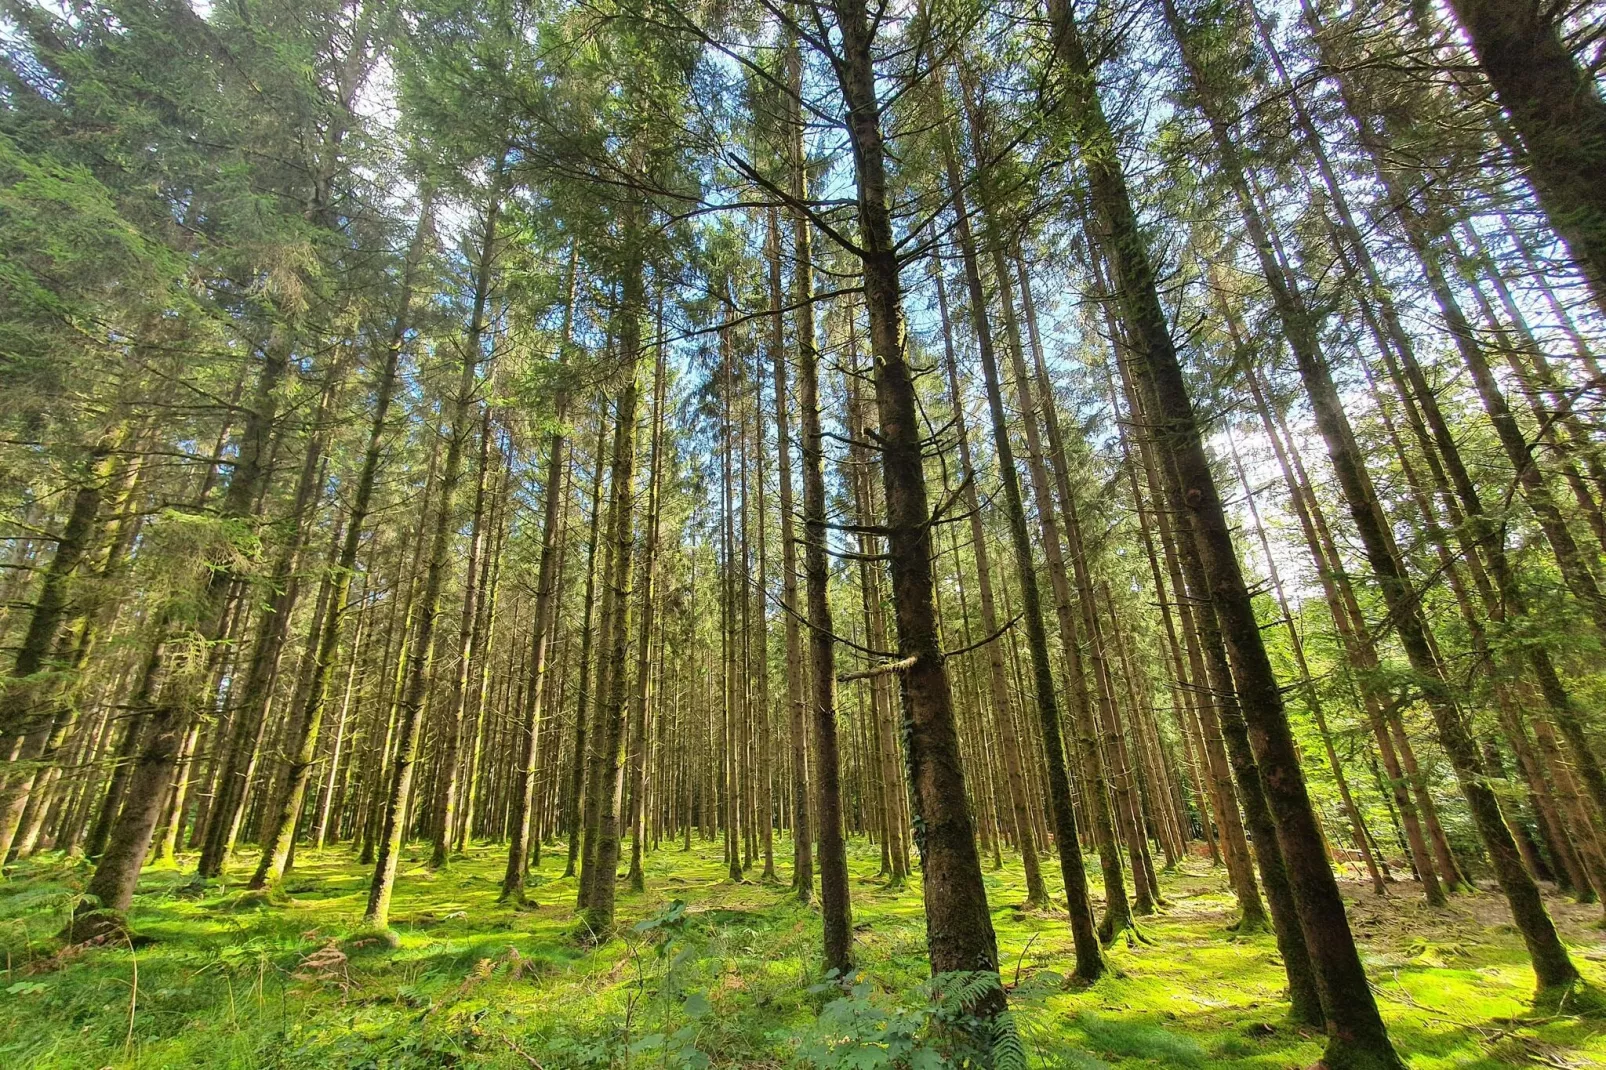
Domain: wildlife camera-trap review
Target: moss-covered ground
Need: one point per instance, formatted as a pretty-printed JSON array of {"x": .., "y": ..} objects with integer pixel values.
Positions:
[{"x": 221, "y": 978}]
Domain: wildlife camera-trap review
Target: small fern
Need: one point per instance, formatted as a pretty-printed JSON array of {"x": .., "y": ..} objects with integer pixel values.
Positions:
[{"x": 962, "y": 991}]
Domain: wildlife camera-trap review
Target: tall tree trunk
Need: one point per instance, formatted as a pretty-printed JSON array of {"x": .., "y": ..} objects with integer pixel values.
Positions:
[
  {"x": 333, "y": 778},
  {"x": 41, "y": 711},
  {"x": 523, "y": 837},
  {"x": 1551, "y": 962},
  {"x": 1356, "y": 1034},
  {"x": 1359, "y": 648},
  {"x": 442, "y": 813},
  {"x": 273, "y": 627},
  {"x": 1210, "y": 672},
  {"x": 959, "y": 930},
  {"x": 596, "y": 758},
  {"x": 888, "y": 781},
  {"x": 1020, "y": 801},
  {"x": 482, "y": 650},
  {"x": 52, "y": 607},
  {"x": 732, "y": 579},
  {"x": 577, "y": 770},
  {"x": 1089, "y": 959},
  {"x": 600, "y": 881},
  {"x": 371, "y": 812},
  {"x": 1227, "y": 714},
  {"x": 1307, "y": 681},
  {"x": 646, "y": 634},
  {"x": 421, "y": 657},
  {"x": 765, "y": 802},
  {"x": 1146, "y": 890},
  {"x": 802, "y": 859},
  {"x": 1096, "y": 782},
  {"x": 832, "y": 859},
  {"x": 110, "y": 891}
]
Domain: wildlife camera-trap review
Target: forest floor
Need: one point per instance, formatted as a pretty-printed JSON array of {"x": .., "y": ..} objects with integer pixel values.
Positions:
[{"x": 730, "y": 979}]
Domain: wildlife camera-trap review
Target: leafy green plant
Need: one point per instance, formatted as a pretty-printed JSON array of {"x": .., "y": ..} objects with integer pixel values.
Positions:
[
  {"x": 939, "y": 1027},
  {"x": 671, "y": 1048}
]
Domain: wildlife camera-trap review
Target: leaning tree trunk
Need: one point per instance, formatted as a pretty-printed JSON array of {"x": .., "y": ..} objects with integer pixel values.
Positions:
[
  {"x": 1551, "y": 962},
  {"x": 273, "y": 628},
  {"x": 1304, "y": 991},
  {"x": 1020, "y": 799},
  {"x": 1089, "y": 958},
  {"x": 53, "y": 607},
  {"x": 42, "y": 790},
  {"x": 277, "y": 836},
  {"x": 110, "y": 891},
  {"x": 1146, "y": 888},
  {"x": 1307, "y": 681},
  {"x": 1356, "y": 1034},
  {"x": 1096, "y": 783},
  {"x": 30, "y": 704},
  {"x": 1556, "y": 108},
  {"x": 1086, "y": 734}
]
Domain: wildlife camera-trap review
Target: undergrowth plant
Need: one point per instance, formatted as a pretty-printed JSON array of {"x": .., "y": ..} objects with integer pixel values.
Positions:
[{"x": 934, "y": 1026}]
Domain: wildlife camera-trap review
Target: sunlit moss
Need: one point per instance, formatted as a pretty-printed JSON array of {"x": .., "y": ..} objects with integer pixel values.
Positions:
[{"x": 232, "y": 980}]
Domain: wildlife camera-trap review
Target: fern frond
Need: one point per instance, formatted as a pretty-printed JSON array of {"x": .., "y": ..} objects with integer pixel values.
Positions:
[{"x": 1008, "y": 1051}]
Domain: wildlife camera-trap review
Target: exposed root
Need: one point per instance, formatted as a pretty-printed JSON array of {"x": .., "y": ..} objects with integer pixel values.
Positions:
[
  {"x": 1114, "y": 926},
  {"x": 1246, "y": 924},
  {"x": 370, "y": 937},
  {"x": 1578, "y": 999},
  {"x": 95, "y": 926}
]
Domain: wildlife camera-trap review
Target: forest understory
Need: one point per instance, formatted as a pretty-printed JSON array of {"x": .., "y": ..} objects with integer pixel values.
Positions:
[{"x": 228, "y": 978}]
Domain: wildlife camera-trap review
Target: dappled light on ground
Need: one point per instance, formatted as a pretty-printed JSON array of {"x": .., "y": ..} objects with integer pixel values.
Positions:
[{"x": 731, "y": 978}]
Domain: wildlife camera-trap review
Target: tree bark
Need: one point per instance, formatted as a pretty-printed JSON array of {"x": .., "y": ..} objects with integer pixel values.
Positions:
[
  {"x": 442, "y": 811},
  {"x": 1020, "y": 800},
  {"x": 646, "y": 635},
  {"x": 1558, "y": 114},
  {"x": 959, "y": 930},
  {"x": 577, "y": 769},
  {"x": 600, "y": 880}
]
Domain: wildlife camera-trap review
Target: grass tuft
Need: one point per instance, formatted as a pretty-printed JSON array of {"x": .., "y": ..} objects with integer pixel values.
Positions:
[{"x": 1139, "y": 1040}]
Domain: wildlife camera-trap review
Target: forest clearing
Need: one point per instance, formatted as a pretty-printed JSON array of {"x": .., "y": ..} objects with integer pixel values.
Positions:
[{"x": 803, "y": 533}]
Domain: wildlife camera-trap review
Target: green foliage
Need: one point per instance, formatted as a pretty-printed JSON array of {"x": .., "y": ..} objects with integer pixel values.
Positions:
[
  {"x": 65, "y": 253},
  {"x": 855, "y": 1032}
]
